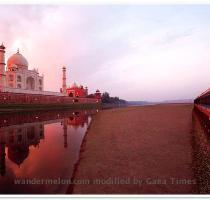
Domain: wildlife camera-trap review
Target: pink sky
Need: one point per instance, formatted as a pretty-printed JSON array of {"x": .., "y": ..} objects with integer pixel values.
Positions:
[{"x": 134, "y": 52}]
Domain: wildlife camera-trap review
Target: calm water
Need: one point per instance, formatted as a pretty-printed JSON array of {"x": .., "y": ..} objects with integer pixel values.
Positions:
[{"x": 40, "y": 147}]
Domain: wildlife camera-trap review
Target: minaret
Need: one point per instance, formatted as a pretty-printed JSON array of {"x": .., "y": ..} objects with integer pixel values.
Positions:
[
  {"x": 64, "y": 80},
  {"x": 2, "y": 67},
  {"x": 86, "y": 91}
]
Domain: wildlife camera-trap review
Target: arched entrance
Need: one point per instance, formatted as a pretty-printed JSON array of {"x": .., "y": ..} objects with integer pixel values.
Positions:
[
  {"x": 30, "y": 83},
  {"x": 71, "y": 94}
]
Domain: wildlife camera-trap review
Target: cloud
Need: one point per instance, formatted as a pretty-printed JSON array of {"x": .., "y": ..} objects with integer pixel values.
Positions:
[{"x": 174, "y": 35}]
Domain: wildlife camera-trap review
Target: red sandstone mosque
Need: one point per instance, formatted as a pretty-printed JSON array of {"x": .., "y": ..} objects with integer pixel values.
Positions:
[
  {"x": 16, "y": 77},
  {"x": 77, "y": 91}
]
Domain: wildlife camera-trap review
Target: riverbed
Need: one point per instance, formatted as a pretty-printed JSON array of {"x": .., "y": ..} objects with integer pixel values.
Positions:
[{"x": 141, "y": 150}]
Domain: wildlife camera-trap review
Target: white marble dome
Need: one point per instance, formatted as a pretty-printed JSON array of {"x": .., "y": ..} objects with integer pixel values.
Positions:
[{"x": 17, "y": 59}]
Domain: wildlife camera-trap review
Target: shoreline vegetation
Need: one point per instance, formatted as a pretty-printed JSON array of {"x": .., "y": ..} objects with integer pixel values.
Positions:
[
  {"x": 112, "y": 102},
  {"x": 138, "y": 150}
]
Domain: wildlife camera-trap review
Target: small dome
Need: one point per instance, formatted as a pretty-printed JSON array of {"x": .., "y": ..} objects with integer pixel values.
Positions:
[
  {"x": 18, "y": 60},
  {"x": 74, "y": 85},
  {"x": 2, "y": 46}
]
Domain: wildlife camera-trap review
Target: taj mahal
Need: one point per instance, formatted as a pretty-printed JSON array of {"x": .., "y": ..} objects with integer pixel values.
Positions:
[{"x": 16, "y": 77}]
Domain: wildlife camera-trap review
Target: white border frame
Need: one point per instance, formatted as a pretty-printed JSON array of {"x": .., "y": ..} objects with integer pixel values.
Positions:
[{"x": 105, "y": 2}]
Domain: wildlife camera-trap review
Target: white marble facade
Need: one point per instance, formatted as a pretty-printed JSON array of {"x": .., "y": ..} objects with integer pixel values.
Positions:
[
  {"x": 19, "y": 76},
  {"x": 16, "y": 75}
]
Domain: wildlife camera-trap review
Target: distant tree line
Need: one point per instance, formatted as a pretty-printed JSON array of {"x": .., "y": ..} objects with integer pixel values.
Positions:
[{"x": 105, "y": 98}]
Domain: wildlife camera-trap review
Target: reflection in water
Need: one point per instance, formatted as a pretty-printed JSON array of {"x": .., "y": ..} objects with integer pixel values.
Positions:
[
  {"x": 201, "y": 146},
  {"x": 40, "y": 146}
]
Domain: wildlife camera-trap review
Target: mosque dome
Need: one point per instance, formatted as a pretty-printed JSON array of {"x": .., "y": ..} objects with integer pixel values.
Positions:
[
  {"x": 2, "y": 46},
  {"x": 18, "y": 60},
  {"x": 74, "y": 85}
]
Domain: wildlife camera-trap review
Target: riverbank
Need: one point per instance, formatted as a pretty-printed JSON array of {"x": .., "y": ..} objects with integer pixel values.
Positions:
[
  {"x": 14, "y": 108},
  {"x": 111, "y": 106},
  {"x": 138, "y": 150}
]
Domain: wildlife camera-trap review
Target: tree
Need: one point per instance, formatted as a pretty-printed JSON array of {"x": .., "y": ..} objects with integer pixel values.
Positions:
[
  {"x": 105, "y": 97},
  {"x": 111, "y": 100}
]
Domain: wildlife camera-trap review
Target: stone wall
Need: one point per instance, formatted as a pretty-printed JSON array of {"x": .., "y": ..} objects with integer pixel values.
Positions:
[
  {"x": 20, "y": 98},
  {"x": 17, "y": 90}
]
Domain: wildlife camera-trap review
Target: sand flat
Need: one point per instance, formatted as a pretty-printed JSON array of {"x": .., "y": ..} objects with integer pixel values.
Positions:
[{"x": 138, "y": 150}]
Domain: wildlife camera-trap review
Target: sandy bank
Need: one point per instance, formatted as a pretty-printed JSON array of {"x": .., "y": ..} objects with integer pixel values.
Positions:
[{"x": 138, "y": 150}]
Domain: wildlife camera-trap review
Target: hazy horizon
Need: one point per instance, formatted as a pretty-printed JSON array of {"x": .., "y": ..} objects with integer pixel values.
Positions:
[{"x": 143, "y": 53}]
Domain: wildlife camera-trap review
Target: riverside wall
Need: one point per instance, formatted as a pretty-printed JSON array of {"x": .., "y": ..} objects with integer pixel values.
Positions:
[{"x": 22, "y": 98}]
